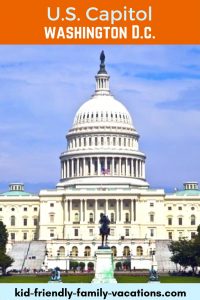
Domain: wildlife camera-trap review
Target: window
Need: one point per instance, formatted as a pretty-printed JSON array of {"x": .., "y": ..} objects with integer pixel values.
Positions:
[
  {"x": 169, "y": 208},
  {"x": 25, "y": 236},
  {"x": 169, "y": 221},
  {"x": 180, "y": 221},
  {"x": 170, "y": 235},
  {"x": 139, "y": 251},
  {"x": 35, "y": 208},
  {"x": 127, "y": 220},
  {"x": 51, "y": 233},
  {"x": 193, "y": 220},
  {"x": 101, "y": 141},
  {"x": 96, "y": 141},
  {"x": 76, "y": 232},
  {"x": 193, "y": 234},
  {"x": 112, "y": 231},
  {"x": 12, "y": 209},
  {"x": 151, "y": 204},
  {"x": 192, "y": 208},
  {"x": 25, "y": 209},
  {"x": 25, "y": 222},
  {"x": 180, "y": 235},
  {"x": 76, "y": 217},
  {"x": 151, "y": 232},
  {"x": 61, "y": 251},
  {"x": 12, "y": 221},
  {"x": 114, "y": 141},
  {"x": 126, "y": 251},
  {"x": 91, "y": 232},
  {"x": 119, "y": 141},
  {"x": 108, "y": 141},
  {"x": 51, "y": 204},
  {"x": 127, "y": 232},
  {"x": 74, "y": 251},
  {"x": 51, "y": 218},
  {"x": 87, "y": 251},
  {"x": 112, "y": 217},
  {"x": 179, "y": 208},
  {"x": 1, "y": 209},
  {"x": 12, "y": 236},
  {"x": 90, "y": 141},
  {"x": 91, "y": 218},
  {"x": 114, "y": 250},
  {"x": 35, "y": 221},
  {"x": 151, "y": 217}
]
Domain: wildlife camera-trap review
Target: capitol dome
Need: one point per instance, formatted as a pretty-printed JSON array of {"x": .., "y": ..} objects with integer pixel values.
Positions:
[
  {"x": 102, "y": 109},
  {"x": 102, "y": 145}
]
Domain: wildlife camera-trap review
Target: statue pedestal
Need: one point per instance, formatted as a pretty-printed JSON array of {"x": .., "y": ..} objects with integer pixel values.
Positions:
[{"x": 104, "y": 272}]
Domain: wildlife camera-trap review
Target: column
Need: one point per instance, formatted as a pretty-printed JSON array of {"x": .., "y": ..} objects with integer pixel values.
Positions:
[
  {"x": 85, "y": 211},
  {"x": 91, "y": 167},
  {"x": 106, "y": 164},
  {"x": 136, "y": 168},
  {"x": 81, "y": 210},
  {"x": 95, "y": 211},
  {"x": 120, "y": 161},
  {"x": 83, "y": 166},
  {"x": 77, "y": 167},
  {"x": 72, "y": 168},
  {"x": 62, "y": 170},
  {"x": 117, "y": 211},
  {"x": 69, "y": 209},
  {"x": 67, "y": 170},
  {"x": 98, "y": 166},
  {"x": 143, "y": 167},
  {"x": 131, "y": 210},
  {"x": 106, "y": 207},
  {"x": 132, "y": 168},
  {"x": 134, "y": 207},
  {"x": 113, "y": 166},
  {"x": 126, "y": 161},
  {"x": 121, "y": 209}
]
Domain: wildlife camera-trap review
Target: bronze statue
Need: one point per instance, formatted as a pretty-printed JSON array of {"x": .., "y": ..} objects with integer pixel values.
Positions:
[{"x": 104, "y": 229}]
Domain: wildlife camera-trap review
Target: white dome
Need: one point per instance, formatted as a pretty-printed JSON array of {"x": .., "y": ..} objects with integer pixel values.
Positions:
[{"x": 102, "y": 109}]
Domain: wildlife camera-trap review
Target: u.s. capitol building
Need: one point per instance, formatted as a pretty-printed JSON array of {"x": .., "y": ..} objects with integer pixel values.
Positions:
[{"x": 102, "y": 171}]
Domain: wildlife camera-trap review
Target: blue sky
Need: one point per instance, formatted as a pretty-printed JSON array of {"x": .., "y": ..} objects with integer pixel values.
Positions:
[{"x": 41, "y": 88}]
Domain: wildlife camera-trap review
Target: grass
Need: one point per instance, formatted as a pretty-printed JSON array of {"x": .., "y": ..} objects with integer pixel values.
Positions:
[
  {"x": 87, "y": 278},
  {"x": 45, "y": 278}
]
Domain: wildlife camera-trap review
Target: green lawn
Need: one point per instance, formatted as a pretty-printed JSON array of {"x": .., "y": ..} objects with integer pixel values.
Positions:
[
  {"x": 87, "y": 278},
  {"x": 44, "y": 279}
]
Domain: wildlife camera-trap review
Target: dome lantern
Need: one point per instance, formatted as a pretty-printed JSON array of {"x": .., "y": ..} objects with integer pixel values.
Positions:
[{"x": 102, "y": 78}]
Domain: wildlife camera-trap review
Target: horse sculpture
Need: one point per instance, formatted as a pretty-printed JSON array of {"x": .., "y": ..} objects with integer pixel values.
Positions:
[{"x": 104, "y": 229}]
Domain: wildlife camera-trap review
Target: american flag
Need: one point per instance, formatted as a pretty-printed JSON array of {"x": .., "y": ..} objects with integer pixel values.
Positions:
[{"x": 105, "y": 171}]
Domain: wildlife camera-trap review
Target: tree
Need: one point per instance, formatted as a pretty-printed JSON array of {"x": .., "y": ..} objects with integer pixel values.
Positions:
[
  {"x": 5, "y": 261},
  {"x": 3, "y": 237},
  {"x": 73, "y": 264},
  {"x": 118, "y": 265},
  {"x": 82, "y": 265},
  {"x": 90, "y": 266},
  {"x": 185, "y": 252}
]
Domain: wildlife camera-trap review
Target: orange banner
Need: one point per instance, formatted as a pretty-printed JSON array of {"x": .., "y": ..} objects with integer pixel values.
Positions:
[{"x": 100, "y": 22}]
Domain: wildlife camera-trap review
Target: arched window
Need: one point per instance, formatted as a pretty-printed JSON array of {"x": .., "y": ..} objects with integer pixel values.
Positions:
[
  {"x": 114, "y": 250},
  {"x": 61, "y": 251},
  {"x": 87, "y": 251},
  {"x": 193, "y": 220},
  {"x": 126, "y": 251},
  {"x": 112, "y": 218},
  {"x": 12, "y": 221},
  {"x": 91, "y": 218},
  {"x": 74, "y": 251},
  {"x": 139, "y": 251}
]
